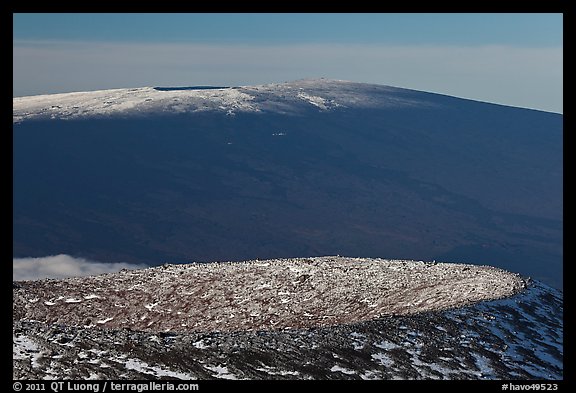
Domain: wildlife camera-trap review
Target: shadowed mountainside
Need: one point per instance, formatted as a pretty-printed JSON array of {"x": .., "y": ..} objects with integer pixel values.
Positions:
[{"x": 304, "y": 168}]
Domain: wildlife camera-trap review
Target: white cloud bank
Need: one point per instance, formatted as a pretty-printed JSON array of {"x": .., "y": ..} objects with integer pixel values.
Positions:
[{"x": 61, "y": 266}]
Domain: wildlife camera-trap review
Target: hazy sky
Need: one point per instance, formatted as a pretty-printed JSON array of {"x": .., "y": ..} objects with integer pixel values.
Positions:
[{"x": 512, "y": 59}]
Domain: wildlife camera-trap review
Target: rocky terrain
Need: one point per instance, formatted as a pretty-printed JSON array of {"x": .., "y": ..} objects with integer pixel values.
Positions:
[
  {"x": 273, "y": 294},
  {"x": 312, "y": 318}
]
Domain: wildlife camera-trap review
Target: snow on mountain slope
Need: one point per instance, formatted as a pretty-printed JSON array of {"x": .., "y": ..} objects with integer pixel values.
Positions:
[
  {"x": 129, "y": 101},
  {"x": 283, "y": 98},
  {"x": 518, "y": 337}
]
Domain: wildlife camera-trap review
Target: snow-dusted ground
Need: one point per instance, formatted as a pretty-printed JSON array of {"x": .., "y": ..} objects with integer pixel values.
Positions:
[
  {"x": 260, "y": 295},
  {"x": 519, "y": 336},
  {"x": 293, "y": 97}
]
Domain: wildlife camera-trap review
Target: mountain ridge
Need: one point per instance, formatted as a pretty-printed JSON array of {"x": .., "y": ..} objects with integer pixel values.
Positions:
[
  {"x": 231, "y": 100},
  {"x": 188, "y": 99}
]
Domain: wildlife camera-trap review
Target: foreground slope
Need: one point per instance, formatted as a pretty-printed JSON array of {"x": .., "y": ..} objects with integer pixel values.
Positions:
[
  {"x": 274, "y": 294},
  {"x": 313, "y": 167},
  {"x": 407, "y": 327}
]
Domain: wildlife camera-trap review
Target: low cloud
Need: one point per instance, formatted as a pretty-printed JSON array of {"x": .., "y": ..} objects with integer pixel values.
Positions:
[{"x": 61, "y": 266}]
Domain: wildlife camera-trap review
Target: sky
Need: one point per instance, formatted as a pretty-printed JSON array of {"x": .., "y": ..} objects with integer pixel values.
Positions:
[{"x": 507, "y": 58}]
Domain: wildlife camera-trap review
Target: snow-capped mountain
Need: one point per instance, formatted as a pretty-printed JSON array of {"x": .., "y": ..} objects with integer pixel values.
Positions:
[
  {"x": 313, "y": 318},
  {"x": 313, "y": 167},
  {"x": 272, "y": 98}
]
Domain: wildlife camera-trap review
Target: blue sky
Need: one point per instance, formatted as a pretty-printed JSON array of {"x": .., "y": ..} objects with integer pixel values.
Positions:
[{"x": 513, "y": 59}]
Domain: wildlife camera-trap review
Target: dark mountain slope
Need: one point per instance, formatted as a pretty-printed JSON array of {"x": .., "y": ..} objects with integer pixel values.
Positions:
[{"x": 303, "y": 168}]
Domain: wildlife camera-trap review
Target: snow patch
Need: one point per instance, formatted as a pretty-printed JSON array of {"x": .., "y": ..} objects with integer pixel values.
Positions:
[
  {"x": 221, "y": 372},
  {"x": 387, "y": 345},
  {"x": 23, "y": 348},
  {"x": 342, "y": 370},
  {"x": 156, "y": 371},
  {"x": 382, "y": 359},
  {"x": 318, "y": 102},
  {"x": 101, "y": 321},
  {"x": 200, "y": 345}
]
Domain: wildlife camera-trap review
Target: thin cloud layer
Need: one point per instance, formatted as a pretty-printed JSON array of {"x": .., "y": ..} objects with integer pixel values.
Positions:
[
  {"x": 61, "y": 266},
  {"x": 517, "y": 76}
]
